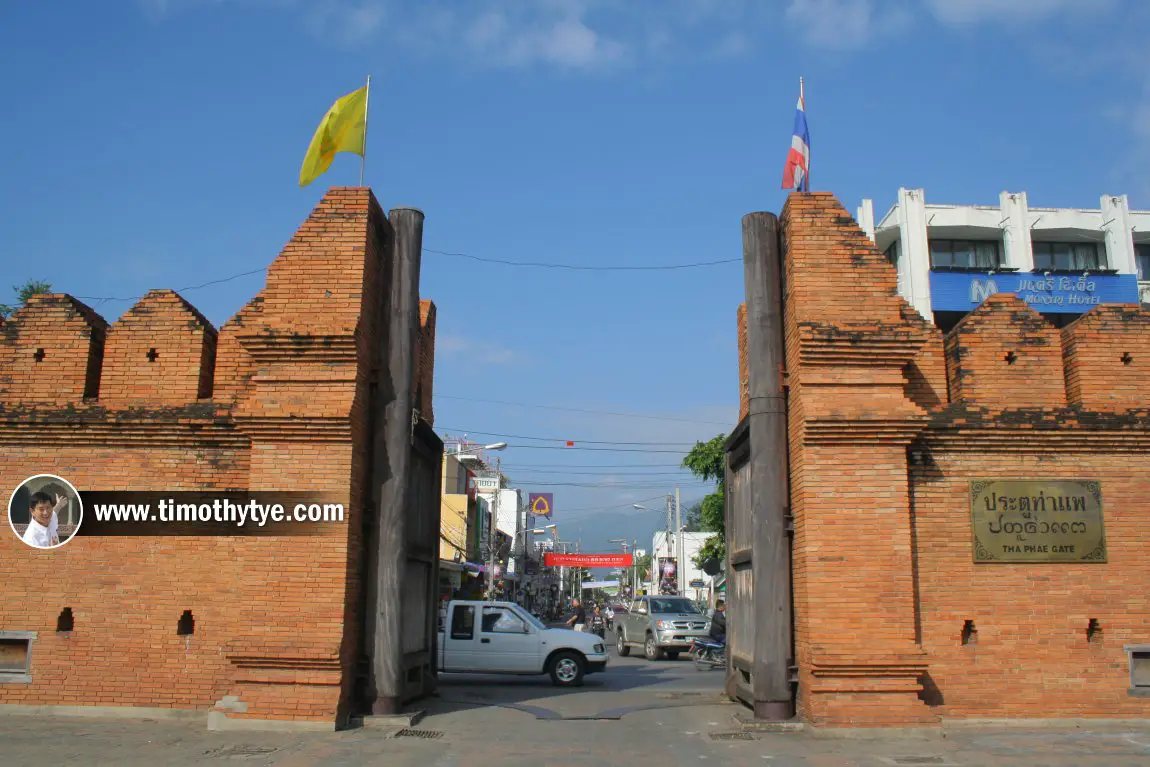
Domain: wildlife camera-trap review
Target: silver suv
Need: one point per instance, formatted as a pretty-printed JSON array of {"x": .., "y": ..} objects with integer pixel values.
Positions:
[{"x": 662, "y": 626}]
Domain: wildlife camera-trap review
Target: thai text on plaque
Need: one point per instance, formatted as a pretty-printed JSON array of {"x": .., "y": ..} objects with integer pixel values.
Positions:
[{"x": 1037, "y": 520}]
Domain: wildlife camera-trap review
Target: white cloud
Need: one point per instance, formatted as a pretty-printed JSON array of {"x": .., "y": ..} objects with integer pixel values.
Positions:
[
  {"x": 474, "y": 351},
  {"x": 977, "y": 11},
  {"x": 347, "y": 23},
  {"x": 735, "y": 44},
  {"x": 832, "y": 23},
  {"x": 565, "y": 40},
  {"x": 595, "y": 35}
]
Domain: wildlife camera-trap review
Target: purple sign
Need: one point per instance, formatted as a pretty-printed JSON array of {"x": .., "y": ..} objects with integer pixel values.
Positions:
[{"x": 541, "y": 504}]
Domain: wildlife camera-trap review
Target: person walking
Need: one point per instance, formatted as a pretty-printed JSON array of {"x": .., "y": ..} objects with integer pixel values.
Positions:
[{"x": 579, "y": 619}]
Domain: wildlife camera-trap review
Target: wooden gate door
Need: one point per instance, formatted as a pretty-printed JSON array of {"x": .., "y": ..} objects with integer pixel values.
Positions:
[{"x": 758, "y": 541}]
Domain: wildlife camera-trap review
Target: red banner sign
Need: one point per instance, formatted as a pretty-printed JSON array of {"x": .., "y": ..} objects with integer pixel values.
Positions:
[{"x": 588, "y": 560}]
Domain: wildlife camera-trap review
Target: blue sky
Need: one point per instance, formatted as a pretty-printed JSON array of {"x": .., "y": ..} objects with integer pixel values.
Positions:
[{"x": 157, "y": 143}]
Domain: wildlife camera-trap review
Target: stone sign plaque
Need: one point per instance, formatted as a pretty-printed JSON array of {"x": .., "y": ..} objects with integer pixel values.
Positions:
[{"x": 1037, "y": 520}]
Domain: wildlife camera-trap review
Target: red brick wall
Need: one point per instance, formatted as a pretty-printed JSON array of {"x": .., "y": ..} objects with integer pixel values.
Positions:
[
  {"x": 425, "y": 358},
  {"x": 50, "y": 351},
  {"x": 1107, "y": 360},
  {"x": 161, "y": 351},
  {"x": 888, "y": 423},
  {"x": 279, "y": 402},
  {"x": 1031, "y": 657},
  {"x": 1004, "y": 354},
  {"x": 848, "y": 347}
]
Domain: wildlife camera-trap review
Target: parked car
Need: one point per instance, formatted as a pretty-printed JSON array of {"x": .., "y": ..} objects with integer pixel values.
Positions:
[
  {"x": 662, "y": 626},
  {"x": 503, "y": 638}
]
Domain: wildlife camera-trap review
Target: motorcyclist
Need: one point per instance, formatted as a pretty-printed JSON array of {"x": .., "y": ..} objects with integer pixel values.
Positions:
[
  {"x": 598, "y": 622},
  {"x": 719, "y": 623}
]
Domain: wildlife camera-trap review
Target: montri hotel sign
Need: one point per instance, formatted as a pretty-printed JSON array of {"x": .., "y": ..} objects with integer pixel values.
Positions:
[
  {"x": 1037, "y": 520},
  {"x": 1068, "y": 294}
]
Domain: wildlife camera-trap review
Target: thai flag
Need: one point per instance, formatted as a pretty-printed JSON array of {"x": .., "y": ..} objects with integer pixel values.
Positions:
[{"x": 796, "y": 174}]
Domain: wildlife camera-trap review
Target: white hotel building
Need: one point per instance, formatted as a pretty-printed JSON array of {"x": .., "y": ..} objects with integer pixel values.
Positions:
[{"x": 1061, "y": 261}]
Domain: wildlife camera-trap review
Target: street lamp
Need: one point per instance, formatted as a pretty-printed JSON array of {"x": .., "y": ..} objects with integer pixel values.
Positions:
[{"x": 533, "y": 531}]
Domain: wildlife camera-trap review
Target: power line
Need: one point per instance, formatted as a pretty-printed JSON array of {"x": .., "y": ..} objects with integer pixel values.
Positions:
[
  {"x": 560, "y": 439},
  {"x": 585, "y": 267},
  {"x": 504, "y": 262},
  {"x": 597, "y": 449},
  {"x": 181, "y": 290},
  {"x": 582, "y": 410},
  {"x": 509, "y": 470},
  {"x": 560, "y": 466},
  {"x": 616, "y": 485},
  {"x": 616, "y": 506}
]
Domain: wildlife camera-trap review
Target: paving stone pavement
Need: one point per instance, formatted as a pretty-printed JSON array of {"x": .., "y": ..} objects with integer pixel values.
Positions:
[
  {"x": 637, "y": 714},
  {"x": 679, "y": 734}
]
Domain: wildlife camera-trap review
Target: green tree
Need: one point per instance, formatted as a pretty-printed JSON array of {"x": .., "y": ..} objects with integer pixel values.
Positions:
[
  {"x": 643, "y": 565},
  {"x": 707, "y": 461},
  {"x": 694, "y": 522},
  {"x": 23, "y": 293}
]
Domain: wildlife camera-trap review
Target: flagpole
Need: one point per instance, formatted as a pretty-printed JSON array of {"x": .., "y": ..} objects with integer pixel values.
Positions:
[
  {"x": 802, "y": 97},
  {"x": 363, "y": 149}
]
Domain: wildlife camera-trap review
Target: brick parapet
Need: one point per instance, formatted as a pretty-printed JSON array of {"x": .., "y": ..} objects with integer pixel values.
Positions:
[
  {"x": 1106, "y": 353},
  {"x": 51, "y": 351}
]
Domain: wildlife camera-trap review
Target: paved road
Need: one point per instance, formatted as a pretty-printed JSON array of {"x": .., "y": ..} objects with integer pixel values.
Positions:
[
  {"x": 637, "y": 713},
  {"x": 629, "y": 684}
]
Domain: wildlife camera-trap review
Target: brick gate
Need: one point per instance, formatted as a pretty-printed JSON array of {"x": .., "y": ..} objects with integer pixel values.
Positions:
[
  {"x": 902, "y": 617},
  {"x": 321, "y": 384}
]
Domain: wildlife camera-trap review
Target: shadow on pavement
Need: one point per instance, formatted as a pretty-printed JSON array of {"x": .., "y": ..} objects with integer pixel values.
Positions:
[{"x": 536, "y": 695}]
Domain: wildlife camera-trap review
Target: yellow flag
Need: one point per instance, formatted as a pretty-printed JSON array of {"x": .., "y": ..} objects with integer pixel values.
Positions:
[{"x": 342, "y": 130}]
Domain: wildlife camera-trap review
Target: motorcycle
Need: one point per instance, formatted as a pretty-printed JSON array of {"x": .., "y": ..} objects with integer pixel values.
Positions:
[
  {"x": 708, "y": 654},
  {"x": 599, "y": 626}
]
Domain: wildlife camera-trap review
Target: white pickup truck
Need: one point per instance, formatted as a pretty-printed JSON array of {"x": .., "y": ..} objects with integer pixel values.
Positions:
[{"x": 503, "y": 638}]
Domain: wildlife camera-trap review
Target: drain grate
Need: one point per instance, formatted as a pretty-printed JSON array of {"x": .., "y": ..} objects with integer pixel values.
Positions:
[
  {"x": 407, "y": 732},
  {"x": 731, "y": 736}
]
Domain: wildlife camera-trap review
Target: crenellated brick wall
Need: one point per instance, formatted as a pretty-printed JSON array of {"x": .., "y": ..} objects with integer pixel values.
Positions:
[
  {"x": 277, "y": 400},
  {"x": 889, "y": 422}
]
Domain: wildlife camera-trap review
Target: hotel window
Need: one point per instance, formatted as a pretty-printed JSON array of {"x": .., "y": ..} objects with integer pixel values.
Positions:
[
  {"x": 1068, "y": 256},
  {"x": 1142, "y": 258},
  {"x": 965, "y": 254}
]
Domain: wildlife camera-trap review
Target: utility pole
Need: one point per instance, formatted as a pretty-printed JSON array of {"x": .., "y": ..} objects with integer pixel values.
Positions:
[
  {"x": 680, "y": 566},
  {"x": 671, "y": 538},
  {"x": 634, "y": 569}
]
